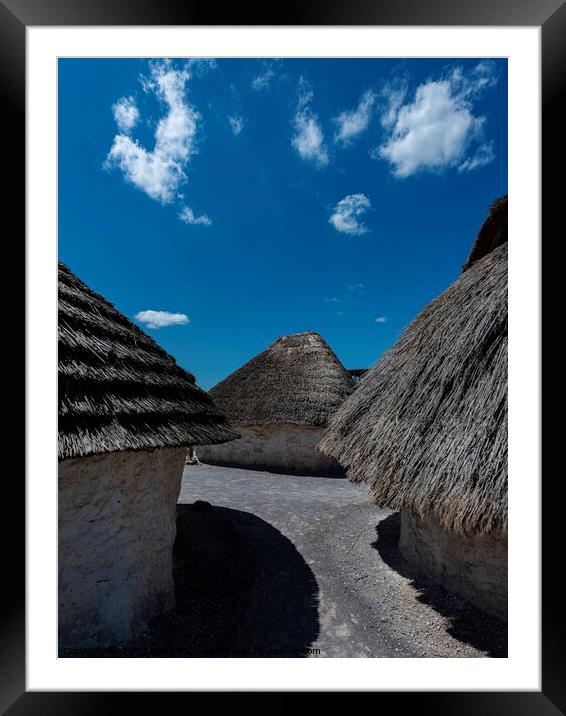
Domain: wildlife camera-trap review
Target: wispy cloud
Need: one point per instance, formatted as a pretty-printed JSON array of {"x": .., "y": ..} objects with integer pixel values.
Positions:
[
  {"x": 263, "y": 80},
  {"x": 390, "y": 98},
  {"x": 305, "y": 93},
  {"x": 354, "y": 122},
  {"x": 308, "y": 137},
  {"x": 159, "y": 172},
  {"x": 161, "y": 319},
  {"x": 345, "y": 217},
  {"x": 188, "y": 216},
  {"x": 484, "y": 155},
  {"x": 236, "y": 124},
  {"x": 126, "y": 113},
  {"x": 201, "y": 66},
  {"x": 483, "y": 76},
  {"x": 380, "y": 319},
  {"x": 438, "y": 129},
  {"x": 337, "y": 304}
]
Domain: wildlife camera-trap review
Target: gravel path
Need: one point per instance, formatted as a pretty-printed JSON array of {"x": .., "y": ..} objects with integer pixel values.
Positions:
[
  {"x": 278, "y": 565},
  {"x": 312, "y": 569}
]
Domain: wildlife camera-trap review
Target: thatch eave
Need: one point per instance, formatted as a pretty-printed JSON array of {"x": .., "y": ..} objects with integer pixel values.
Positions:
[
  {"x": 119, "y": 390},
  {"x": 427, "y": 427}
]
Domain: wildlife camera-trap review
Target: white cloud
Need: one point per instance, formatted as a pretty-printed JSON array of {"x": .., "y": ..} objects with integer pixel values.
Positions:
[
  {"x": 352, "y": 123},
  {"x": 308, "y": 138},
  {"x": 355, "y": 287},
  {"x": 201, "y": 66},
  {"x": 160, "y": 172},
  {"x": 263, "y": 80},
  {"x": 161, "y": 319},
  {"x": 125, "y": 113},
  {"x": 484, "y": 76},
  {"x": 347, "y": 212},
  {"x": 187, "y": 215},
  {"x": 152, "y": 172},
  {"x": 305, "y": 93},
  {"x": 380, "y": 319},
  {"x": 392, "y": 95},
  {"x": 332, "y": 300},
  {"x": 236, "y": 124},
  {"x": 438, "y": 128},
  {"x": 483, "y": 156}
]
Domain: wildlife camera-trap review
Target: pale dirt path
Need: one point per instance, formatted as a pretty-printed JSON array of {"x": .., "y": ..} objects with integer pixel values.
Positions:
[{"x": 307, "y": 563}]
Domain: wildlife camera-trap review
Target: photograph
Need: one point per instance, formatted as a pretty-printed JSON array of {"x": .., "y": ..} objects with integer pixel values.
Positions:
[{"x": 282, "y": 358}]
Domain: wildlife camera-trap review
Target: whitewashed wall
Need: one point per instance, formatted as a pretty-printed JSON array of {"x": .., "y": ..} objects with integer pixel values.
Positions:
[
  {"x": 473, "y": 566},
  {"x": 287, "y": 449},
  {"x": 117, "y": 515}
]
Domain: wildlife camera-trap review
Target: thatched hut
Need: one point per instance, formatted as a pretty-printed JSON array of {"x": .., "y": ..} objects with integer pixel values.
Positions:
[
  {"x": 280, "y": 403},
  {"x": 127, "y": 413},
  {"x": 427, "y": 428}
]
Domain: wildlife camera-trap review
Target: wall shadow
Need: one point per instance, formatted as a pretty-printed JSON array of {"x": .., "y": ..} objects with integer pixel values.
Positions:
[
  {"x": 241, "y": 587},
  {"x": 337, "y": 473},
  {"x": 467, "y": 623}
]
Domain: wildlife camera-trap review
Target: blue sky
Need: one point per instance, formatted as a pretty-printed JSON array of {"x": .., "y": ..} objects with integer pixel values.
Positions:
[{"x": 221, "y": 204}]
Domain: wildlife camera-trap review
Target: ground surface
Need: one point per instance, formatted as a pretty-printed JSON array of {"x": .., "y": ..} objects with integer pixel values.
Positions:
[{"x": 302, "y": 566}]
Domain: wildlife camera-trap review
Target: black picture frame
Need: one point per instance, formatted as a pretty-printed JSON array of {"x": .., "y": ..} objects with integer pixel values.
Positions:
[{"x": 15, "y": 16}]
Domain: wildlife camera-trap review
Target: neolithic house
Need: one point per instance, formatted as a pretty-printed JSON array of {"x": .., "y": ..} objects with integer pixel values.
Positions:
[
  {"x": 280, "y": 403},
  {"x": 427, "y": 428},
  {"x": 127, "y": 413}
]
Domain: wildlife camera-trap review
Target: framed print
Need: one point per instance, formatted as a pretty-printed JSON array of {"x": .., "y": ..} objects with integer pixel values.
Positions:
[{"x": 273, "y": 249}]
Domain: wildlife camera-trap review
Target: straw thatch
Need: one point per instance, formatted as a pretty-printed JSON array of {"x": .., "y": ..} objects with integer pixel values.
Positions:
[
  {"x": 427, "y": 427},
  {"x": 118, "y": 390},
  {"x": 297, "y": 380},
  {"x": 492, "y": 234}
]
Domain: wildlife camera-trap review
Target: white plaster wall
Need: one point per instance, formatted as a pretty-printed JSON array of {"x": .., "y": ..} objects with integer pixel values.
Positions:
[
  {"x": 289, "y": 449},
  {"x": 117, "y": 516},
  {"x": 473, "y": 566}
]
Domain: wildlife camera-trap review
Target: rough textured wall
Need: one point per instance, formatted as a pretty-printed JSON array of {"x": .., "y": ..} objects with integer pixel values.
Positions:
[
  {"x": 473, "y": 566},
  {"x": 288, "y": 449},
  {"x": 116, "y": 531}
]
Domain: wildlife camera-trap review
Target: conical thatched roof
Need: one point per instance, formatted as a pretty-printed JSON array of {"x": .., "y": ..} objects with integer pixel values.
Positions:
[
  {"x": 297, "y": 380},
  {"x": 427, "y": 426},
  {"x": 492, "y": 234},
  {"x": 118, "y": 390}
]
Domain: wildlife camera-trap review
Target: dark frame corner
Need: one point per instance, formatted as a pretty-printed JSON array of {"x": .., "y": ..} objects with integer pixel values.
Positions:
[{"x": 550, "y": 15}]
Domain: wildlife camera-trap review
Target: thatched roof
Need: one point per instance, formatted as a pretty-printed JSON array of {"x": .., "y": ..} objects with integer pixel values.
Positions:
[
  {"x": 297, "y": 380},
  {"x": 427, "y": 426},
  {"x": 492, "y": 234},
  {"x": 118, "y": 390}
]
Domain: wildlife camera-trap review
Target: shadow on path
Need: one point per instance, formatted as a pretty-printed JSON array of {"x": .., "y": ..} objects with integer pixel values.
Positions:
[
  {"x": 467, "y": 623},
  {"x": 241, "y": 587}
]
